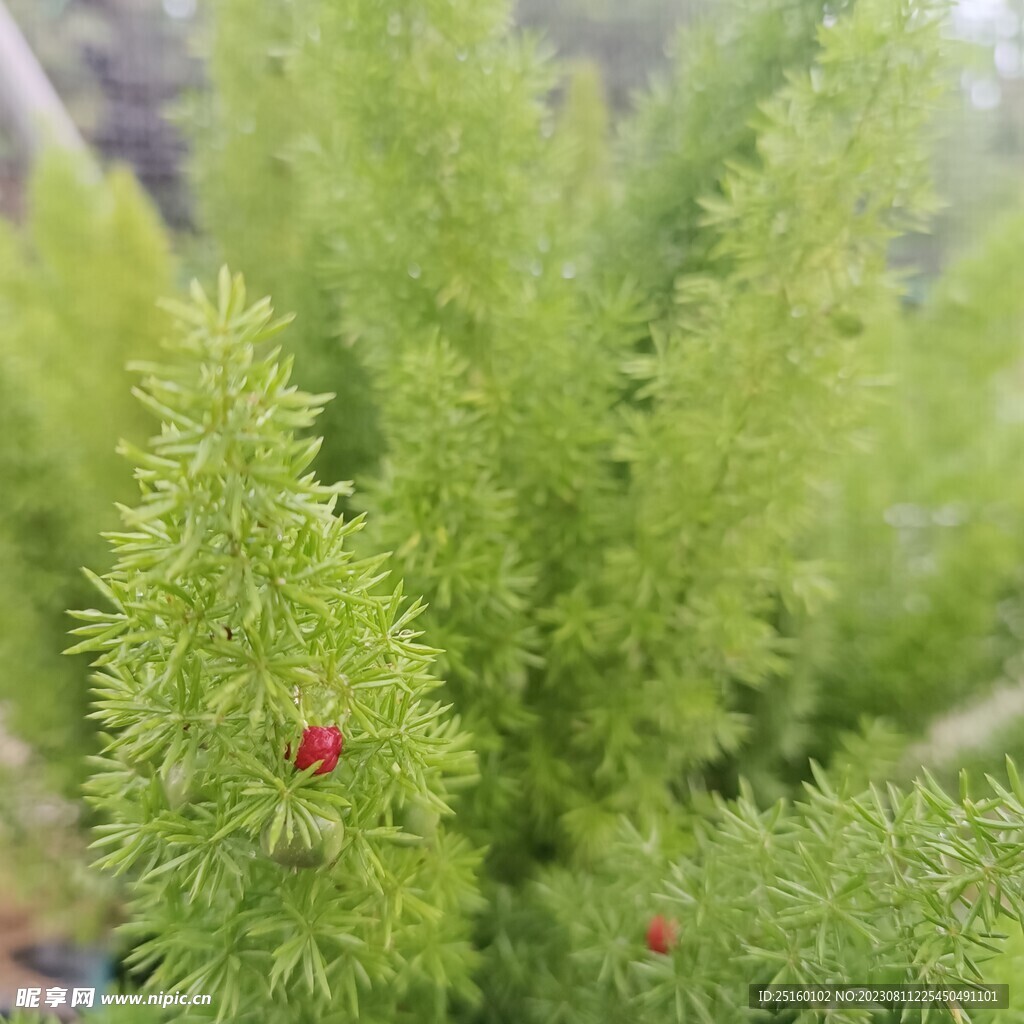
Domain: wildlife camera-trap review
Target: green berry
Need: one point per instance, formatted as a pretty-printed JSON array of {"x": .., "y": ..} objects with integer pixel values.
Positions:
[
  {"x": 296, "y": 853},
  {"x": 420, "y": 818},
  {"x": 184, "y": 783}
]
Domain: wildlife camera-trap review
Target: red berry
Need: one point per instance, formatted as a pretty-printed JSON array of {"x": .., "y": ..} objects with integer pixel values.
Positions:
[
  {"x": 661, "y": 934},
  {"x": 319, "y": 743}
]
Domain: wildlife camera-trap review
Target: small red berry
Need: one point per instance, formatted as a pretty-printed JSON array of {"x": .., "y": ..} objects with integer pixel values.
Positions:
[
  {"x": 319, "y": 743},
  {"x": 661, "y": 934}
]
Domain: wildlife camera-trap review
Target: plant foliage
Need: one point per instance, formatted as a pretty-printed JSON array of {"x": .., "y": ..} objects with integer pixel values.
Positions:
[
  {"x": 239, "y": 616},
  {"x": 78, "y": 284},
  {"x": 603, "y": 410}
]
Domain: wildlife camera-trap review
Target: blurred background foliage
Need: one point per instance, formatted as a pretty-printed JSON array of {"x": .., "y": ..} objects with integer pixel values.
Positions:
[
  {"x": 77, "y": 280},
  {"x": 913, "y": 604}
]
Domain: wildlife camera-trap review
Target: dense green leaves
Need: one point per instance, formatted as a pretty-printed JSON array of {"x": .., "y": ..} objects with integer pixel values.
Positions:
[
  {"x": 378, "y": 166},
  {"x": 78, "y": 283},
  {"x": 605, "y": 518},
  {"x": 690, "y": 126},
  {"x": 598, "y": 421},
  {"x": 655, "y": 538},
  {"x": 927, "y": 608},
  {"x": 897, "y": 887},
  {"x": 240, "y": 616}
]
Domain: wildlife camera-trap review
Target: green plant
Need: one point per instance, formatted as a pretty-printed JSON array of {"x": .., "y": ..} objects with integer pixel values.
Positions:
[
  {"x": 78, "y": 286},
  {"x": 611, "y": 423},
  {"x": 924, "y": 525},
  {"x": 899, "y": 887},
  {"x": 687, "y": 129},
  {"x": 350, "y": 158},
  {"x": 239, "y": 617},
  {"x": 608, "y": 521},
  {"x": 649, "y": 545}
]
